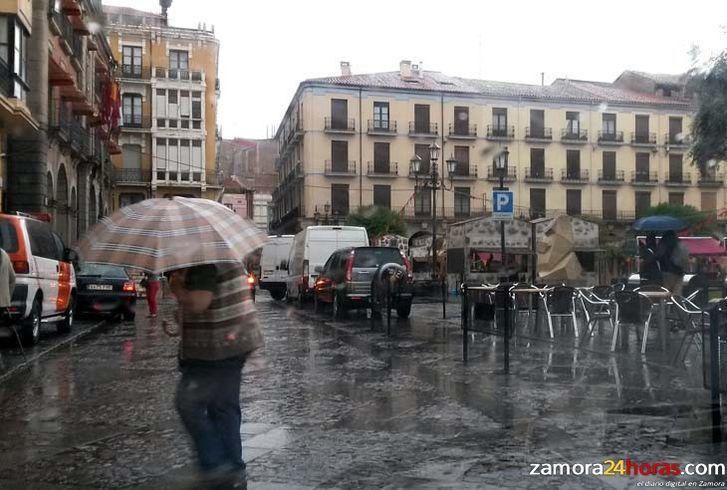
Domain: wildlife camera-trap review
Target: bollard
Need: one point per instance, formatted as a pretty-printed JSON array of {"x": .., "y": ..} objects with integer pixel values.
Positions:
[
  {"x": 505, "y": 293},
  {"x": 714, "y": 366},
  {"x": 388, "y": 307},
  {"x": 444, "y": 298},
  {"x": 465, "y": 320}
]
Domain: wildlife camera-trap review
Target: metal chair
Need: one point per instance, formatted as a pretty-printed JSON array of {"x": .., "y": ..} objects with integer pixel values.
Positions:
[
  {"x": 560, "y": 302},
  {"x": 595, "y": 309},
  {"x": 692, "y": 318},
  {"x": 635, "y": 309},
  {"x": 602, "y": 293},
  {"x": 521, "y": 302}
]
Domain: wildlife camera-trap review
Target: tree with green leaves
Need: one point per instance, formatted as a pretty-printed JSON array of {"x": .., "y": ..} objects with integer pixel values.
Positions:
[
  {"x": 700, "y": 223},
  {"x": 378, "y": 221},
  {"x": 709, "y": 129}
]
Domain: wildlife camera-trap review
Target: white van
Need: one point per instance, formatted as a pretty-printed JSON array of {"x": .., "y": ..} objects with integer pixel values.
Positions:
[
  {"x": 274, "y": 265},
  {"x": 311, "y": 248}
]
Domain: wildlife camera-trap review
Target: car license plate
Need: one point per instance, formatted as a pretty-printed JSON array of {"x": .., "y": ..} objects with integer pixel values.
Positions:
[{"x": 100, "y": 287}]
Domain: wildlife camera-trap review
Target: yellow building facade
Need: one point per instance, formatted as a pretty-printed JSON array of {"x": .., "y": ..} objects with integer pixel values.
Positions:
[
  {"x": 602, "y": 150},
  {"x": 169, "y": 90}
]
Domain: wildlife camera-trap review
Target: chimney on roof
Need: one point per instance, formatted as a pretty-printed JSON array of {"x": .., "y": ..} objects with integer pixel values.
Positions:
[
  {"x": 417, "y": 70},
  {"x": 405, "y": 69},
  {"x": 165, "y": 4},
  {"x": 345, "y": 69}
]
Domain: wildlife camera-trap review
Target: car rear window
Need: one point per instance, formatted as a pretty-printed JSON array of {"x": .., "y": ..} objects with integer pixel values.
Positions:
[
  {"x": 104, "y": 271},
  {"x": 8, "y": 237},
  {"x": 376, "y": 257}
]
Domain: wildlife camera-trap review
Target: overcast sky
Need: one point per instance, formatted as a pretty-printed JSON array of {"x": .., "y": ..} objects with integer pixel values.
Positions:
[{"x": 268, "y": 46}]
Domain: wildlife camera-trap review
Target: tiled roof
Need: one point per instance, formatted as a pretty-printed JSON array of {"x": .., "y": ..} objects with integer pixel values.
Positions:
[
  {"x": 661, "y": 78},
  {"x": 560, "y": 89}
]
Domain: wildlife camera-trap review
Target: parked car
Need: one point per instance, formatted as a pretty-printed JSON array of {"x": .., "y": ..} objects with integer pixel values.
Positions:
[
  {"x": 344, "y": 282},
  {"x": 274, "y": 265},
  {"x": 310, "y": 250},
  {"x": 45, "y": 288},
  {"x": 106, "y": 290}
]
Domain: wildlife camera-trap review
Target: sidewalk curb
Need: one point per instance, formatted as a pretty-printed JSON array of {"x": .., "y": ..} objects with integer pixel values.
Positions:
[{"x": 26, "y": 363}]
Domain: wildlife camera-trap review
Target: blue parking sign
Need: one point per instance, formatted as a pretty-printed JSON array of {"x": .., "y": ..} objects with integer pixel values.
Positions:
[{"x": 503, "y": 203}]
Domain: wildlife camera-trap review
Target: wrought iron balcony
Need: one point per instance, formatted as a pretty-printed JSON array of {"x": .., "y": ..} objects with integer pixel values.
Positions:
[
  {"x": 643, "y": 139},
  {"x": 710, "y": 180},
  {"x": 335, "y": 125},
  {"x": 615, "y": 177},
  {"x": 644, "y": 178},
  {"x": 539, "y": 134},
  {"x": 611, "y": 137},
  {"x": 574, "y": 176},
  {"x": 343, "y": 169},
  {"x": 678, "y": 139},
  {"x": 182, "y": 74},
  {"x": 135, "y": 71},
  {"x": 417, "y": 128},
  {"x": 382, "y": 169},
  {"x": 500, "y": 132},
  {"x": 464, "y": 172},
  {"x": 136, "y": 121},
  {"x": 570, "y": 136},
  {"x": 493, "y": 174},
  {"x": 681, "y": 179},
  {"x": 381, "y": 127},
  {"x": 463, "y": 131},
  {"x": 131, "y": 176},
  {"x": 539, "y": 175}
]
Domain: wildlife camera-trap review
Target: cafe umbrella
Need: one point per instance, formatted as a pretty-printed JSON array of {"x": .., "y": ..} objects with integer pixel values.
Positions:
[
  {"x": 659, "y": 224},
  {"x": 159, "y": 235}
]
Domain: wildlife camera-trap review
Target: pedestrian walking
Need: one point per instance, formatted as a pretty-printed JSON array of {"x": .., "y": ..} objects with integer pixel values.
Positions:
[
  {"x": 152, "y": 285},
  {"x": 650, "y": 267},
  {"x": 673, "y": 258},
  {"x": 219, "y": 329},
  {"x": 7, "y": 284}
]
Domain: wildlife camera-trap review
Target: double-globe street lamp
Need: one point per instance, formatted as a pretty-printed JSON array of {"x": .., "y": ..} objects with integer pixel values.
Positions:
[{"x": 432, "y": 180}]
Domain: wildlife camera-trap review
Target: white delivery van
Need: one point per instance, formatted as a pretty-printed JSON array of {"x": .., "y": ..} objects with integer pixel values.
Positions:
[
  {"x": 274, "y": 265},
  {"x": 311, "y": 248}
]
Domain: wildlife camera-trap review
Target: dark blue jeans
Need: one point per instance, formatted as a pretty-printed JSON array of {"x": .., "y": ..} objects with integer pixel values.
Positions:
[{"x": 208, "y": 401}]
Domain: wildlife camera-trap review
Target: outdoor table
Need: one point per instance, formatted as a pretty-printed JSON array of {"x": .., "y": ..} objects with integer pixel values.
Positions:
[{"x": 659, "y": 297}]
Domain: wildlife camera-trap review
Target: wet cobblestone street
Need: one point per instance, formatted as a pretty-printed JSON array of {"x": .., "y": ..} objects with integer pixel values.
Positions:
[{"x": 339, "y": 405}]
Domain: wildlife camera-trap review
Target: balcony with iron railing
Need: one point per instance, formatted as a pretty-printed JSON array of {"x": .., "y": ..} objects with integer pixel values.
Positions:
[
  {"x": 462, "y": 131},
  {"x": 578, "y": 176},
  {"x": 678, "y": 179},
  {"x": 715, "y": 179},
  {"x": 611, "y": 137},
  {"x": 60, "y": 23},
  {"x": 466, "y": 209},
  {"x": 500, "y": 133},
  {"x": 335, "y": 125},
  {"x": 539, "y": 134},
  {"x": 136, "y": 121},
  {"x": 131, "y": 176},
  {"x": 382, "y": 169},
  {"x": 381, "y": 127},
  {"x": 678, "y": 139},
  {"x": 340, "y": 168},
  {"x": 135, "y": 72},
  {"x": 426, "y": 130},
  {"x": 181, "y": 74},
  {"x": 464, "y": 172},
  {"x": 615, "y": 177},
  {"x": 571, "y": 136},
  {"x": 493, "y": 174},
  {"x": 544, "y": 175},
  {"x": 187, "y": 177},
  {"x": 643, "y": 139},
  {"x": 639, "y": 178}
]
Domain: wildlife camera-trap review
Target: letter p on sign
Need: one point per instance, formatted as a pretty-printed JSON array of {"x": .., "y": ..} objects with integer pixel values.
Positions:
[{"x": 502, "y": 205}]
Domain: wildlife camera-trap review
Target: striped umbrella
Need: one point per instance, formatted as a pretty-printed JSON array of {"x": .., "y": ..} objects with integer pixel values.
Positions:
[{"x": 159, "y": 235}]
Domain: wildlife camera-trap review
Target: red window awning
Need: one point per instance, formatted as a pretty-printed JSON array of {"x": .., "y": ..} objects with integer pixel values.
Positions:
[{"x": 704, "y": 246}]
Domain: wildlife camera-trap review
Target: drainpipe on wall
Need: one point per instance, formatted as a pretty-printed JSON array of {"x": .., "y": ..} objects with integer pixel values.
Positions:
[
  {"x": 360, "y": 147},
  {"x": 441, "y": 158}
]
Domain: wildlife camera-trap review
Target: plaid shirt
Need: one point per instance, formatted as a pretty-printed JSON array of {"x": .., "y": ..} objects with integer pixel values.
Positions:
[{"x": 229, "y": 328}]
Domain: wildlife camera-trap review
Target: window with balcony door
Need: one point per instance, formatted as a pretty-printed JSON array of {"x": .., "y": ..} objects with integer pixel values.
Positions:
[
  {"x": 131, "y": 61},
  {"x": 642, "y": 167},
  {"x": 132, "y": 112},
  {"x": 421, "y": 119},
  {"x": 462, "y": 155},
  {"x": 462, "y": 120},
  {"x": 572, "y": 124},
  {"x": 339, "y": 114},
  {"x": 13, "y": 58},
  {"x": 160, "y": 157},
  {"x": 178, "y": 60},
  {"x": 642, "y": 129},
  {"x": 676, "y": 198},
  {"x": 382, "y": 196},
  {"x": 675, "y": 130},
  {"x": 573, "y": 202},
  {"x": 339, "y": 156},
  {"x": 537, "y": 203},
  {"x": 461, "y": 202},
  {"x": 381, "y": 158},
  {"x": 422, "y": 151},
  {"x": 708, "y": 201},
  {"x": 573, "y": 164},
  {"x": 537, "y": 162},
  {"x": 499, "y": 122},
  {"x": 609, "y": 125},
  {"x": 161, "y": 107},
  {"x": 537, "y": 123},
  {"x": 339, "y": 199},
  {"x": 381, "y": 116},
  {"x": 609, "y": 165},
  {"x": 196, "y": 110},
  {"x": 423, "y": 202},
  {"x": 131, "y": 160},
  {"x": 642, "y": 203},
  {"x": 609, "y": 204},
  {"x": 675, "y": 168}
]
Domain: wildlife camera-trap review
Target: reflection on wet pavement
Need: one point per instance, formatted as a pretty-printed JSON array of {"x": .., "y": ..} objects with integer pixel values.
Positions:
[{"x": 339, "y": 404}]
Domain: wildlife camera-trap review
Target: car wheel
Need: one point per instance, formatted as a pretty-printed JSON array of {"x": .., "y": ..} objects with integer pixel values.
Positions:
[
  {"x": 30, "y": 333},
  {"x": 128, "y": 315},
  {"x": 337, "y": 307},
  {"x": 403, "y": 310},
  {"x": 317, "y": 307},
  {"x": 375, "y": 303},
  {"x": 66, "y": 325},
  {"x": 277, "y": 294}
]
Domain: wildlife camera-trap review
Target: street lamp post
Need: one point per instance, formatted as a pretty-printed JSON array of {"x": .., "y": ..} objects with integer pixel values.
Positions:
[{"x": 500, "y": 162}]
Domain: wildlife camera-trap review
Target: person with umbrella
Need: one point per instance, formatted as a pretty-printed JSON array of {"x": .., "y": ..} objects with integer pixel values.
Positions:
[
  {"x": 199, "y": 245},
  {"x": 674, "y": 261},
  {"x": 650, "y": 266}
]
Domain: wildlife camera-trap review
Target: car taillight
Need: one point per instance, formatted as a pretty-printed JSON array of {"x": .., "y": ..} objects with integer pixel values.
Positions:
[
  {"x": 129, "y": 287},
  {"x": 21, "y": 266},
  {"x": 251, "y": 280},
  {"x": 349, "y": 268}
]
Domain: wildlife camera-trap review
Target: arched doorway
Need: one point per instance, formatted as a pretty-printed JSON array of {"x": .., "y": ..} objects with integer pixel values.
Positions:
[
  {"x": 92, "y": 212},
  {"x": 50, "y": 196},
  {"x": 73, "y": 212},
  {"x": 62, "y": 205}
]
